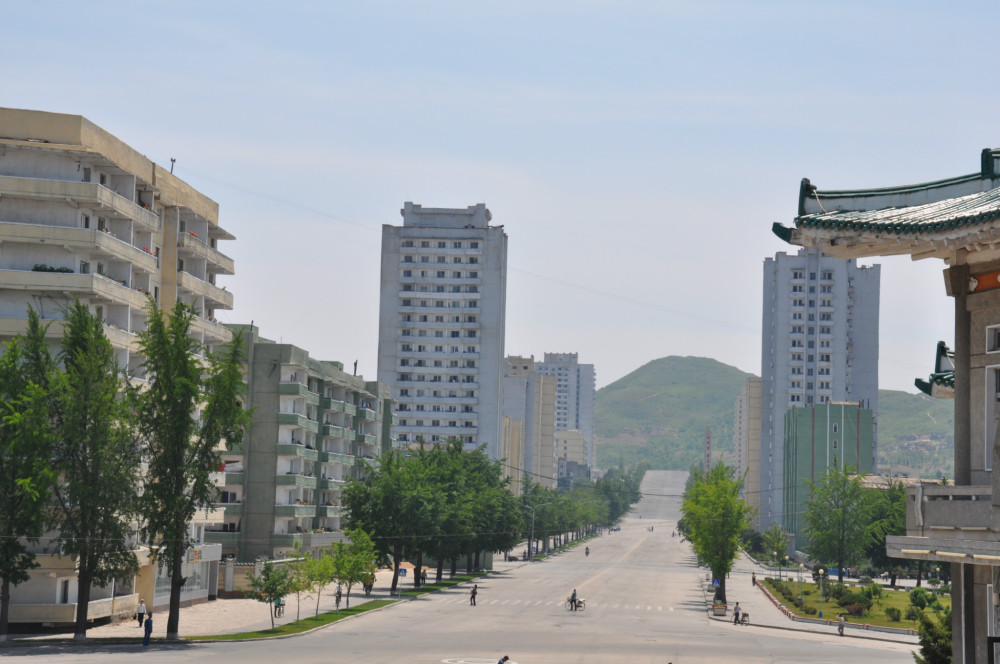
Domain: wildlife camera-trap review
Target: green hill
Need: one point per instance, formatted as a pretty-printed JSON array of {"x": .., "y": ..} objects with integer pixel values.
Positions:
[{"x": 658, "y": 413}]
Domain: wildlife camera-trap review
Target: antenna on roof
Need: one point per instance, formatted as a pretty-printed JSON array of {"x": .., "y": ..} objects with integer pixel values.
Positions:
[{"x": 172, "y": 160}]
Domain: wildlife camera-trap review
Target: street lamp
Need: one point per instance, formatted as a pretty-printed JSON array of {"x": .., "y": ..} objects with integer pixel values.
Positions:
[
  {"x": 821, "y": 592},
  {"x": 801, "y": 567},
  {"x": 774, "y": 555},
  {"x": 531, "y": 543},
  {"x": 789, "y": 574}
]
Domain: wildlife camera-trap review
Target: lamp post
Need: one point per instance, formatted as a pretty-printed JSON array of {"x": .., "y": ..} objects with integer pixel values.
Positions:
[
  {"x": 821, "y": 592},
  {"x": 774, "y": 554},
  {"x": 789, "y": 572},
  {"x": 531, "y": 543},
  {"x": 801, "y": 567}
]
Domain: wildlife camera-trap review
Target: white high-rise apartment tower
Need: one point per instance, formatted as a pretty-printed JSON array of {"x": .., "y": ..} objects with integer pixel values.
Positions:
[
  {"x": 819, "y": 344},
  {"x": 575, "y": 388},
  {"x": 441, "y": 324}
]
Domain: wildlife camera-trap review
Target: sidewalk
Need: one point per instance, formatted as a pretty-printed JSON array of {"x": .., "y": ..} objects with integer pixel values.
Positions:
[
  {"x": 233, "y": 616},
  {"x": 763, "y": 613}
]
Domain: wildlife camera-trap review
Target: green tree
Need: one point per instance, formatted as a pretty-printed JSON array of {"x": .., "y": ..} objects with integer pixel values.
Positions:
[
  {"x": 26, "y": 368},
  {"x": 935, "y": 638},
  {"x": 96, "y": 454},
  {"x": 270, "y": 585},
  {"x": 775, "y": 541},
  {"x": 836, "y": 518},
  {"x": 887, "y": 516},
  {"x": 353, "y": 561},
  {"x": 715, "y": 516},
  {"x": 191, "y": 407},
  {"x": 315, "y": 570}
]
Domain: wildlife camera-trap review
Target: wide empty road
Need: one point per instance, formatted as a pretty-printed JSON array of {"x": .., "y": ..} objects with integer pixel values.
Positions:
[{"x": 644, "y": 604}]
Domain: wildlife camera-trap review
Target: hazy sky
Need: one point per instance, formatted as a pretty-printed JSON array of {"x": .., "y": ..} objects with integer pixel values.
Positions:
[{"x": 637, "y": 153}]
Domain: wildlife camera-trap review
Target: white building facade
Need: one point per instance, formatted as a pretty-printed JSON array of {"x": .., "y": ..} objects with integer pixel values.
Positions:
[
  {"x": 819, "y": 344},
  {"x": 575, "y": 389},
  {"x": 441, "y": 324}
]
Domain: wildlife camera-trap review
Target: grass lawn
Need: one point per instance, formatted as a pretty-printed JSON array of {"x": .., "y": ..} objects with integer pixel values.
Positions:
[{"x": 876, "y": 616}]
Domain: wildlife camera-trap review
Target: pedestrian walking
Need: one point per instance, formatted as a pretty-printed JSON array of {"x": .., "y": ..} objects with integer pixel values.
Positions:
[
  {"x": 149, "y": 629},
  {"x": 736, "y": 614},
  {"x": 140, "y": 612},
  {"x": 840, "y": 624},
  {"x": 472, "y": 594},
  {"x": 753, "y": 579}
]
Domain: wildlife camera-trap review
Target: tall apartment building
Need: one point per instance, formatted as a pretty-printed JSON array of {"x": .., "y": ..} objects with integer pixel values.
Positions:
[
  {"x": 85, "y": 216},
  {"x": 746, "y": 441},
  {"x": 575, "y": 389},
  {"x": 312, "y": 423},
  {"x": 819, "y": 344},
  {"x": 819, "y": 437},
  {"x": 530, "y": 397},
  {"x": 441, "y": 324}
]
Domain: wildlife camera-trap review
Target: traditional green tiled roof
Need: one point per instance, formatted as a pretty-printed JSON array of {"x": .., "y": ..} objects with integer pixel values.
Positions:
[
  {"x": 973, "y": 210},
  {"x": 941, "y": 383}
]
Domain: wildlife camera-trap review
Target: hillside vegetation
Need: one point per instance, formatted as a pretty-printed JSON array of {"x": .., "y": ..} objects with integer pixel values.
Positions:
[{"x": 658, "y": 413}]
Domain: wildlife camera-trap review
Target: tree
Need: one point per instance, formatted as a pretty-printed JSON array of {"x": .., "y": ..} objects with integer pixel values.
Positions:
[
  {"x": 316, "y": 571},
  {"x": 96, "y": 455},
  {"x": 25, "y": 447},
  {"x": 836, "y": 518},
  {"x": 299, "y": 579},
  {"x": 775, "y": 541},
  {"x": 190, "y": 408},
  {"x": 270, "y": 585},
  {"x": 715, "y": 516},
  {"x": 353, "y": 561},
  {"x": 887, "y": 516},
  {"x": 935, "y": 638}
]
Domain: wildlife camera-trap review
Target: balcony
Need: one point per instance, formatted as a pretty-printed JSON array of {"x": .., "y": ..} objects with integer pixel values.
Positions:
[
  {"x": 350, "y": 409},
  {"x": 227, "y": 538},
  {"x": 94, "y": 195},
  {"x": 366, "y": 414},
  {"x": 298, "y": 420},
  {"x": 219, "y": 297},
  {"x": 213, "y": 331},
  {"x": 330, "y": 510},
  {"x": 334, "y": 405},
  {"x": 364, "y": 438},
  {"x": 295, "y": 511},
  {"x": 334, "y": 457},
  {"x": 295, "y": 480},
  {"x": 188, "y": 245},
  {"x": 90, "y": 285},
  {"x": 334, "y": 431},
  {"x": 233, "y": 479},
  {"x": 232, "y": 509},
  {"x": 308, "y": 540},
  {"x": 298, "y": 390},
  {"x": 288, "y": 449},
  {"x": 330, "y": 483},
  {"x": 82, "y": 240}
]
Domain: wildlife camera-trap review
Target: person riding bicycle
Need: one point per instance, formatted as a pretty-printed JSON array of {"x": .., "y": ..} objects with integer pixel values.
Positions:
[
  {"x": 279, "y": 606},
  {"x": 587, "y": 551},
  {"x": 572, "y": 599}
]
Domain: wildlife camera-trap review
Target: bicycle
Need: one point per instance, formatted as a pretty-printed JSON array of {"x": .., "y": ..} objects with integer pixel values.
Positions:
[
  {"x": 581, "y": 605},
  {"x": 744, "y": 618},
  {"x": 279, "y": 610}
]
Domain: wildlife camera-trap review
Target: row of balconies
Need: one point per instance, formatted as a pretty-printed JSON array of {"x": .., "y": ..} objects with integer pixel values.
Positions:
[
  {"x": 450, "y": 280},
  {"x": 89, "y": 194}
]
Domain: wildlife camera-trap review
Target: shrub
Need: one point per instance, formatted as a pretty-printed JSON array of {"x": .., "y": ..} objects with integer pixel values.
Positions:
[
  {"x": 920, "y": 598},
  {"x": 836, "y": 591},
  {"x": 806, "y": 592},
  {"x": 810, "y": 610},
  {"x": 893, "y": 614},
  {"x": 913, "y": 613},
  {"x": 865, "y": 580},
  {"x": 945, "y": 589}
]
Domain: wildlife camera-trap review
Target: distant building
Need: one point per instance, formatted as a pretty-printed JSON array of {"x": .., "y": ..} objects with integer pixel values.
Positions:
[
  {"x": 441, "y": 324},
  {"x": 746, "y": 441},
  {"x": 530, "y": 397},
  {"x": 571, "y": 451},
  {"x": 817, "y": 438},
  {"x": 313, "y": 426},
  {"x": 575, "y": 391},
  {"x": 819, "y": 345}
]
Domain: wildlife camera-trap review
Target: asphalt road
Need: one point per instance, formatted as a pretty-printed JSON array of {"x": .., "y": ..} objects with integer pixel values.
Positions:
[{"x": 644, "y": 604}]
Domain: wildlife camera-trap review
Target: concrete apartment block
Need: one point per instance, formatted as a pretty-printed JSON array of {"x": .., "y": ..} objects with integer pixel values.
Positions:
[{"x": 441, "y": 324}]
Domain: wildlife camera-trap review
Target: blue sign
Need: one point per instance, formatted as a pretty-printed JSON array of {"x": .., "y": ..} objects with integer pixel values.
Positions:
[{"x": 715, "y": 582}]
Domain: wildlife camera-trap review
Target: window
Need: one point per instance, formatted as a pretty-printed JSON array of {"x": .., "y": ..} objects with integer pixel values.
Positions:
[
  {"x": 425, "y": 259},
  {"x": 407, "y": 244},
  {"x": 473, "y": 275},
  {"x": 407, "y": 303},
  {"x": 826, "y": 317},
  {"x": 798, "y": 302},
  {"x": 797, "y": 329},
  {"x": 407, "y": 259},
  {"x": 456, "y": 245},
  {"x": 798, "y": 289},
  {"x": 827, "y": 275},
  {"x": 440, "y": 274},
  {"x": 812, "y": 276},
  {"x": 473, "y": 259},
  {"x": 795, "y": 398},
  {"x": 441, "y": 259},
  {"x": 798, "y": 274},
  {"x": 474, "y": 245},
  {"x": 824, "y": 357},
  {"x": 424, "y": 244},
  {"x": 407, "y": 273},
  {"x": 442, "y": 245},
  {"x": 407, "y": 288},
  {"x": 825, "y": 329},
  {"x": 457, "y": 259},
  {"x": 834, "y": 443}
]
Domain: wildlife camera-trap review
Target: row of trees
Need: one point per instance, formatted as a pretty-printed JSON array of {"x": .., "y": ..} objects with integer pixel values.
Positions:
[
  {"x": 76, "y": 432},
  {"x": 345, "y": 563},
  {"x": 446, "y": 503}
]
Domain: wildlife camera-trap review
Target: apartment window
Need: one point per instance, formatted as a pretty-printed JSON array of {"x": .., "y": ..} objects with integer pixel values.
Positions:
[
  {"x": 474, "y": 245},
  {"x": 812, "y": 303},
  {"x": 824, "y": 357},
  {"x": 435, "y": 423},
  {"x": 472, "y": 289},
  {"x": 456, "y": 259},
  {"x": 812, "y": 276},
  {"x": 470, "y": 333},
  {"x": 470, "y": 319},
  {"x": 442, "y": 245},
  {"x": 797, "y": 316},
  {"x": 827, "y": 275},
  {"x": 473, "y": 303},
  {"x": 440, "y": 274},
  {"x": 798, "y": 302},
  {"x": 404, "y": 362},
  {"x": 84, "y": 267},
  {"x": 824, "y": 343},
  {"x": 404, "y": 393},
  {"x": 408, "y": 244},
  {"x": 439, "y": 319},
  {"x": 439, "y": 289},
  {"x": 473, "y": 275},
  {"x": 826, "y": 317},
  {"x": 798, "y": 289},
  {"x": 826, "y": 290},
  {"x": 439, "y": 334},
  {"x": 424, "y": 244},
  {"x": 825, "y": 329},
  {"x": 407, "y": 288},
  {"x": 823, "y": 371},
  {"x": 441, "y": 259},
  {"x": 795, "y": 398},
  {"x": 798, "y": 274},
  {"x": 797, "y": 343},
  {"x": 825, "y": 385},
  {"x": 407, "y": 259},
  {"x": 796, "y": 357},
  {"x": 455, "y": 334},
  {"x": 797, "y": 329},
  {"x": 826, "y": 302},
  {"x": 812, "y": 329},
  {"x": 473, "y": 259},
  {"x": 407, "y": 303},
  {"x": 425, "y": 259},
  {"x": 834, "y": 443}
]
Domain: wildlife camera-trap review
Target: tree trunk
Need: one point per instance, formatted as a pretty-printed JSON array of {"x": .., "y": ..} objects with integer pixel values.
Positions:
[
  {"x": 82, "y": 602},
  {"x": 395, "y": 568},
  {"x": 4, "y": 609},
  {"x": 347, "y": 597},
  {"x": 440, "y": 570},
  {"x": 418, "y": 568},
  {"x": 720, "y": 594},
  {"x": 468, "y": 562},
  {"x": 176, "y": 584},
  {"x": 476, "y": 565},
  {"x": 454, "y": 567}
]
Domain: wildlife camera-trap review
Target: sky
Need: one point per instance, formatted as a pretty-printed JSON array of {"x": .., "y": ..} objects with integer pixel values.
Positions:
[{"x": 636, "y": 153}]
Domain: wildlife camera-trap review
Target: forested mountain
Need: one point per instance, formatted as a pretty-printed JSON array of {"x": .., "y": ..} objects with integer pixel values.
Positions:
[{"x": 658, "y": 413}]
